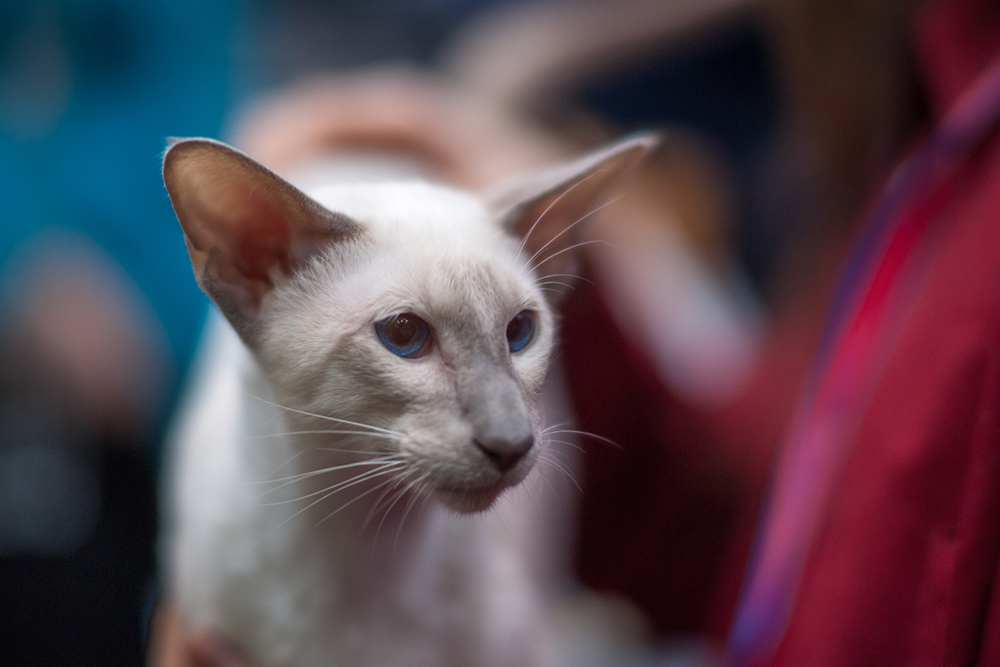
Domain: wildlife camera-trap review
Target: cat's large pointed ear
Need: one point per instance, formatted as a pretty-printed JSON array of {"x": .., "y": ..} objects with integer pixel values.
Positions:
[
  {"x": 246, "y": 228},
  {"x": 546, "y": 209}
]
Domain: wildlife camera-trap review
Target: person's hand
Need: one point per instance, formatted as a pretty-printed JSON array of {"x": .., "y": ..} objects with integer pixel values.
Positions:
[
  {"x": 206, "y": 649},
  {"x": 174, "y": 645},
  {"x": 462, "y": 139}
]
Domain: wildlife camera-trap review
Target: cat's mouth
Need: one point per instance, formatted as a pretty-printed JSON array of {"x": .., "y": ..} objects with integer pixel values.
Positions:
[{"x": 468, "y": 499}]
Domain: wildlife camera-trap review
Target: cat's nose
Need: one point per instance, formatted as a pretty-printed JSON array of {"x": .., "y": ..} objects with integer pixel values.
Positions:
[
  {"x": 498, "y": 412},
  {"x": 504, "y": 451}
]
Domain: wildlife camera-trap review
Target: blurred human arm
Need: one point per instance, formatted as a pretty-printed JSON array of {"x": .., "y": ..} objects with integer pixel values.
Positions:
[
  {"x": 175, "y": 645},
  {"x": 458, "y": 137},
  {"x": 526, "y": 55}
]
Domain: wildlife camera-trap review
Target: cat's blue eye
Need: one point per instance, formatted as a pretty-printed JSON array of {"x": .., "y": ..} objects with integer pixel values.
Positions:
[
  {"x": 520, "y": 330},
  {"x": 405, "y": 335}
]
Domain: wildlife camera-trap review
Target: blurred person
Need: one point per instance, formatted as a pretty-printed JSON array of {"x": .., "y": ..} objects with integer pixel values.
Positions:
[
  {"x": 97, "y": 317},
  {"x": 879, "y": 544}
]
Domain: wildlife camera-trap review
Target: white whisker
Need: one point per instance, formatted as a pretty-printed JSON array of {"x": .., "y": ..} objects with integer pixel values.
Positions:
[
  {"x": 585, "y": 434},
  {"x": 377, "y": 429},
  {"x": 321, "y": 471},
  {"x": 290, "y": 459},
  {"x": 548, "y": 208},
  {"x": 364, "y": 452},
  {"x": 368, "y": 434},
  {"x": 562, "y": 467},
  {"x": 574, "y": 276},
  {"x": 356, "y": 499},
  {"x": 549, "y": 484},
  {"x": 554, "y": 282},
  {"x": 376, "y": 506},
  {"x": 561, "y": 454},
  {"x": 572, "y": 247},
  {"x": 409, "y": 506},
  {"x": 568, "y": 443},
  {"x": 400, "y": 493},
  {"x": 568, "y": 227},
  {"x": 336, "y": 488}
]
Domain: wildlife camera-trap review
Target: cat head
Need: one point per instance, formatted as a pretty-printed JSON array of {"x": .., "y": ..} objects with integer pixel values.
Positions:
[{"x": 412, "y": 311}]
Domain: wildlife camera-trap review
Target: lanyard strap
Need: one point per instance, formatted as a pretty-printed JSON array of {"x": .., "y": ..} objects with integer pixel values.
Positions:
[{"x": 876, "y": 292}]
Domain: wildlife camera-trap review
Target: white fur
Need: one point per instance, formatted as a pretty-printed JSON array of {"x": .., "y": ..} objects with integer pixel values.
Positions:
[{"x": 295, "y": 589}]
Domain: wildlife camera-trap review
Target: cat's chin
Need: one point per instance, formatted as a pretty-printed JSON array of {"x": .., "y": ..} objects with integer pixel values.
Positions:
[{"x": 468, "y": 501}]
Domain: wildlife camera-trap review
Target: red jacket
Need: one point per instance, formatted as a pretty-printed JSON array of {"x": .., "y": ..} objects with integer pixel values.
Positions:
[{"x": 904, "y": 570}]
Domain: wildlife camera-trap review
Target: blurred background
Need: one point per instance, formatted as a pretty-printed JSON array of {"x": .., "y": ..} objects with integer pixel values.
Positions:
[{"x": 685, "y": 345}]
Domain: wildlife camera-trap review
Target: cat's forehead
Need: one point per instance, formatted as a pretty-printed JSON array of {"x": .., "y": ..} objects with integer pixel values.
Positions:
[
  {"x": 434, "y": 247},
  {"x": 455, "y": 279},
  {"x": 430, "y": 235},
  {"x": 409, "y": 208}
]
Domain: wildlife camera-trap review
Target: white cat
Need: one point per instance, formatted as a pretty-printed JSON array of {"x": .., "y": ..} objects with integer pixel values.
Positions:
[{"x": 376, "y": 389}]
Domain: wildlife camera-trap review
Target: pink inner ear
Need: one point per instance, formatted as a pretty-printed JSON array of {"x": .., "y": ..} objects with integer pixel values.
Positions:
[{"x": 262, "y": 239}]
